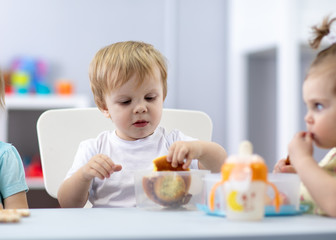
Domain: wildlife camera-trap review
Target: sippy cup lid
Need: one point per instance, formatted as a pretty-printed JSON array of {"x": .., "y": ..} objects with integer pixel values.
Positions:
[{"x": 243, "y": 161}]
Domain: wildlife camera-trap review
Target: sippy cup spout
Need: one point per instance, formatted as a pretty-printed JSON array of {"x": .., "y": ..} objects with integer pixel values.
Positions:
[{"x": 246, "y": 148}]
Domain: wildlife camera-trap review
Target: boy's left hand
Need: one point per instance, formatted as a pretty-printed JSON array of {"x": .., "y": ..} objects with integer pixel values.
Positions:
[{"x": 183, "y": 152}]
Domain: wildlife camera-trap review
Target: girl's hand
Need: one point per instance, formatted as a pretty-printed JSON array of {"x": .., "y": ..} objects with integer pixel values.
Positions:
[
  {"x": 301, "y": 148},
  {"x": 100, "y": 166},
  {"x": 183, "y": 152},
  {"x": 283, "y": 166},
  {"x": 301, "y": 145}
]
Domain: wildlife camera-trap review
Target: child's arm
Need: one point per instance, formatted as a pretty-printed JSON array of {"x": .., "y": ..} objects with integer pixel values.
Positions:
[
  {"x": 210, "y": 155},
  {"x": 321, "y": 186},
  {"x": 16, "y": 201},
  {"x": 74, "y": 191}
]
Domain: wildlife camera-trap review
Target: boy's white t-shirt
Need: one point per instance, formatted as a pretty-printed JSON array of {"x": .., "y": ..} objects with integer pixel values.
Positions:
[{"x": 118, "y": 190}]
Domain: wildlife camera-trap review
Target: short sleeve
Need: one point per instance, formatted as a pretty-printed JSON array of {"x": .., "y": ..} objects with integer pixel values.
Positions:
[
  {"x": 12, "y": 175},
  {"x": 85, "y": 152}
]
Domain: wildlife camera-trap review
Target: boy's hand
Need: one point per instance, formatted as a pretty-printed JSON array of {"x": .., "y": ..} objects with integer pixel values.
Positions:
[
  {"x": 100, "y": 166},
  {"x": 183, "y": 152}
]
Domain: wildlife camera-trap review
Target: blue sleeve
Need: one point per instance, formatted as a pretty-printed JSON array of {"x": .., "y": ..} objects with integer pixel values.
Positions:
[{"x": 12, "y": 175}]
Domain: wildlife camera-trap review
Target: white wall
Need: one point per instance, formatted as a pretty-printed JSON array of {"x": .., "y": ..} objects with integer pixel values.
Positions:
[
  {"x": 67, "y": 34},
  {"x": 276, "y": 29},
  {"x": 197, "y": 36}
]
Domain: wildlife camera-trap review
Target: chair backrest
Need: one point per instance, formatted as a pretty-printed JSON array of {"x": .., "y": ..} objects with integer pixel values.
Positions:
[{"x": 60, "y": 131}]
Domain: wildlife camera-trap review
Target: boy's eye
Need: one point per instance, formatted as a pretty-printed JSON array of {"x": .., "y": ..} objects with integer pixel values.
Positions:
[
  {"x": 125, "y": 102},
  {"x": 150, "y": 98}
]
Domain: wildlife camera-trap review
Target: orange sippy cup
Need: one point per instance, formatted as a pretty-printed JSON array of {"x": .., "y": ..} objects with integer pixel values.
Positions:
[{"x": 244, "y": 178}]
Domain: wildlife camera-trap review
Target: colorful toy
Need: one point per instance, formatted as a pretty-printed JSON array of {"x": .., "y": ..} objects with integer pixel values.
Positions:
[
  {"x": 64, "y": 87},
  {"x": 29, "y": 76},
  {"x": 33, "y": 167}
]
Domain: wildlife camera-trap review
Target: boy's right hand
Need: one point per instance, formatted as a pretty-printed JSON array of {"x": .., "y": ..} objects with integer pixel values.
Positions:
[{"x": 100, "y": 166}]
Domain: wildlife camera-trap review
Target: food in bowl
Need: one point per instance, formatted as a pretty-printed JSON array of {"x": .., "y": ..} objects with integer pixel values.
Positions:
[
  {"x": 288, "y": 185},
  {"x": 169, "y": 190},
  {"x": 169, "y": 187}
]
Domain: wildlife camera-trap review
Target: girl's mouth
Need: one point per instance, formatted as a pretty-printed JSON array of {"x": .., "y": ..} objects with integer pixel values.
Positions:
[{"x": 311, "y": 134}]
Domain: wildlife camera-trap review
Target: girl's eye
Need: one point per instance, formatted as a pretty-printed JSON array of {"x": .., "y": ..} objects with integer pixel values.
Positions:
[{"x": 318, "y": 106}]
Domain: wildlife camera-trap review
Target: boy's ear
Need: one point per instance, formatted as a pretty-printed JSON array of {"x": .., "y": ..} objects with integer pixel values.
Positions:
[{"x": 106, "y": 113}]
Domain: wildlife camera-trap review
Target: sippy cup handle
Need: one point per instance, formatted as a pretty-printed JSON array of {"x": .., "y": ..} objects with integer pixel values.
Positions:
[
  {"x": 276, "y": 196},
  {"x": 212, "y": 195}
]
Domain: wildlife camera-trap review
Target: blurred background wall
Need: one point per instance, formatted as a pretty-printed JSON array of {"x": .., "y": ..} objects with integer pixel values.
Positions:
[
  {"x": 67, "y": 33},
  {"x": 240, "y": 61}
]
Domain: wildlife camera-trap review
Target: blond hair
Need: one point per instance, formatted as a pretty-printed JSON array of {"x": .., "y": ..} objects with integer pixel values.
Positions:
[
  {"x": 2, "y": 91},
  {"x": 324, "y": 63},
  {"x": 115, "y": 64}
]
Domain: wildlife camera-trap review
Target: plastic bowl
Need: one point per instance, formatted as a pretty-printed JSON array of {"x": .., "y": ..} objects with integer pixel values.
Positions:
[
  {"x": 170, "y": 189},
  {"x": 210, "y": 180},
  {"x": 288, "y": 185}
]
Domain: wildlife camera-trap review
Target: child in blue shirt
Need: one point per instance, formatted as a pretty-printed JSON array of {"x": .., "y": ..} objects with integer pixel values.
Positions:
[{"x": 13, "y": 186}]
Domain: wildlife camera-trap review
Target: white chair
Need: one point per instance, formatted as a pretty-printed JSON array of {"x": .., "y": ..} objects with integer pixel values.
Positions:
[{"x": 60, "y": 131}]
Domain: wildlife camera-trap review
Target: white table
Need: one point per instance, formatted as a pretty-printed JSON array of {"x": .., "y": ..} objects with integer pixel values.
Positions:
[{"x": 134, "y": 223}]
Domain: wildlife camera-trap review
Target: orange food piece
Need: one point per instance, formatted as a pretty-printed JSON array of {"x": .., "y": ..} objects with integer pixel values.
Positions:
[{"x": 161, "y": 164}]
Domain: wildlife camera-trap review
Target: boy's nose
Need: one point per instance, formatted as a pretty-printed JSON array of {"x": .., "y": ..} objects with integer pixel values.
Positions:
[{"x": 140, "y": 108}]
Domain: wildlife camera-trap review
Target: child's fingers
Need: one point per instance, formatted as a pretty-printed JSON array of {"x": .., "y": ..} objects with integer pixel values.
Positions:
[
  {"x": 277, "y": 169},
  {"x": 278, "y": 166},
  {"x": 89, "y": 172},
  {"x": 98, "y": 171},
  {"x": 105, "y": 163},
  {"x": 99, "y": 168},
  {"x": 309, "y": 137},
  {"x": 187, "y": 162},
  {"x": 109, "y": 165},
  {"x": 102, "y": 166},
  {"x": 288, "y": 169},
  {"x": 171, "y": 153},
  {"x": 117, "y": 168},
  {"x": 98, "y": 174},
  {"x": 179, "y": 156},
  {"x": 174, "y": 150},
  {"x": 282, "y": 166},
  {"x": 306, "y": 136},
  {"x": 179, "y": 153}
]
